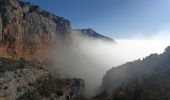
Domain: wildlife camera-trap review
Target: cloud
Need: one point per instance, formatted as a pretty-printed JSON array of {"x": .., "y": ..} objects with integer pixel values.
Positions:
[{"x": 90, "y": 58}]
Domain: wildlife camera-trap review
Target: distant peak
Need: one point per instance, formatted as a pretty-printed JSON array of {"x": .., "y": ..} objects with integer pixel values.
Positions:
[{"x": 93, "y": 34}]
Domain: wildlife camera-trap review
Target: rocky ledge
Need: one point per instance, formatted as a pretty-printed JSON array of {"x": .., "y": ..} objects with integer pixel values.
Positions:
[{"x": 23, "y": 80}]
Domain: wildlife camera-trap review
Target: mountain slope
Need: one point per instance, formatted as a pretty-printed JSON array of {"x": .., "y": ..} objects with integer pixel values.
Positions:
[
  {"x": 146, "y": 79},
  {"x": 129, "y": 71},
  {"x": 25, "y": 80},
  {"x": 92, "y": 34}
]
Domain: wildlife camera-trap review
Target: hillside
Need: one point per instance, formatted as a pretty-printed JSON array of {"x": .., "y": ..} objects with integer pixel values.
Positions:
[
  {"x": 146, "y": 79},
  {"x": 92, "y": 34},
  {"x": 25, "y": 80}
]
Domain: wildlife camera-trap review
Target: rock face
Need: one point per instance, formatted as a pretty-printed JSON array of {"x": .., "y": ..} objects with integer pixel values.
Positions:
[
  {"x": 23, "y": 80},
  {"x": 28, "y": 31},
  {"x": 92, "y": 34}
]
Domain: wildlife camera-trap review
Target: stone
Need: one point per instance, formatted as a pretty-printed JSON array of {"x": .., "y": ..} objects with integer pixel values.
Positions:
[{"x": 29, "y": 32}]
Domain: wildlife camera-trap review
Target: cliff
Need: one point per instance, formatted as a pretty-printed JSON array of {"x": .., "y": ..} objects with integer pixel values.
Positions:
[{"x": 28, "y": 31}]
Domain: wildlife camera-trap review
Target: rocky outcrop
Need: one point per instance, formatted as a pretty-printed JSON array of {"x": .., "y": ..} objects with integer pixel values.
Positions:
[
  {"x": 92, "y": 34},
  {"x": 28, "y": 31},
  {"x": 76, "y": 91},
  {"x": 23, "y": 80}
]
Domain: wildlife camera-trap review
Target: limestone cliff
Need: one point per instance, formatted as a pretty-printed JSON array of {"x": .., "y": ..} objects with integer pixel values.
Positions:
[{"x": 28, "y": 31}]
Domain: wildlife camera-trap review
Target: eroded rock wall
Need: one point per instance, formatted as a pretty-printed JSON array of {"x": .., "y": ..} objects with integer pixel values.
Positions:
[{"x": 28, "y": 31}]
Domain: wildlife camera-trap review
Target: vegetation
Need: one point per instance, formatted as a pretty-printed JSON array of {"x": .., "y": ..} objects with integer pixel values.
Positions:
[
  {"x": 7, "y": 64},
  {"x": 152, "y": 86},
  {"x": 45, "y": 88},
  {"x": 146, "y": 79},
  {"x": 11, "y": 65},
  {"x": 52, "y": 86},
  {"x": 31, "y": 95}
]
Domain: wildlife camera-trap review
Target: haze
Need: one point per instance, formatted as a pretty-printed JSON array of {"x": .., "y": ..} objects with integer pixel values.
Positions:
[{"x": 90, "y": 58}]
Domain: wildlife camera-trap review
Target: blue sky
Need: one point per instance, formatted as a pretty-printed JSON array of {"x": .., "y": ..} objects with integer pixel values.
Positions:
[{"x": 114, "y": 18}]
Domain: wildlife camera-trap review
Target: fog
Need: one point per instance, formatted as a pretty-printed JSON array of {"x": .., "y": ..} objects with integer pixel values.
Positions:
[{"x": 90, "y": 58}]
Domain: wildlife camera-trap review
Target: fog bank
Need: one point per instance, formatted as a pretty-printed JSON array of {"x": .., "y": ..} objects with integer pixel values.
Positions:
[{"x": 90, "y": 58}]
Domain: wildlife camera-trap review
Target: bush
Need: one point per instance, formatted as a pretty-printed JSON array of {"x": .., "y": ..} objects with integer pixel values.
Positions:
[{"x": 31, "y": 95}]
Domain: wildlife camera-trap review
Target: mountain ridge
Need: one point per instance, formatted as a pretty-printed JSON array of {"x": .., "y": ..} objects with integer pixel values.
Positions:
[
  {"x": 93, "y": 34},
  {"x": 27, "y": 31},
  {"x": 146, "y": 79}
]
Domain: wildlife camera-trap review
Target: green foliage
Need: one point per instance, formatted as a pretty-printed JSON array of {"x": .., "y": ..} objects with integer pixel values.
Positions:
[
  {"x": 22, "y": 63},
  {"x": 153, "y": 86},
  {"x": 52, "y": 86},
  {"x": 148, "y": 79},
  {"x": 11, "y": 65},
  {"x": 49, "y": 86},
  {"x": 31, "y": 95},
  {"x": 46, "y": 87}
]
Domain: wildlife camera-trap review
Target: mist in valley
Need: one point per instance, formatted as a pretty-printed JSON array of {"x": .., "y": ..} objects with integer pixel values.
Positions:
[{"x": 89, "y": 58}]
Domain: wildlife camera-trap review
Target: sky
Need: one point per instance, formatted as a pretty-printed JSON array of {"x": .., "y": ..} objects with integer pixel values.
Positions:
[{"x": 118, "y": 19}]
